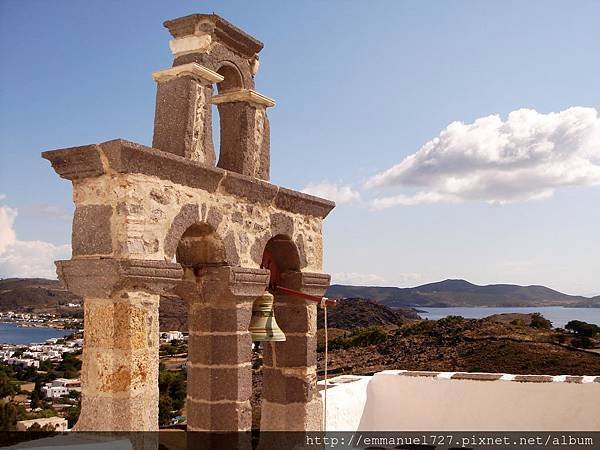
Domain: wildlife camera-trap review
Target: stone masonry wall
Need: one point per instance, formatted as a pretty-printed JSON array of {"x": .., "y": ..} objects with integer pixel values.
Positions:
[{"x": 141, "y": 217}]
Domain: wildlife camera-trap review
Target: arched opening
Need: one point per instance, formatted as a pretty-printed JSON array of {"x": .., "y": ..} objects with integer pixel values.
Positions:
[
  {"x": 232, "y": 81},
  {"x": 279, "y": 256},
  {"x": 233, "y": 78},
  {"x": 198, "y": 246}
]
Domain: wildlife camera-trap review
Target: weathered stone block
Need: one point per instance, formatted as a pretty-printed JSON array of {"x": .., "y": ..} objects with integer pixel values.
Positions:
[
  {"x": 220, "y": 320},
  {"x": 292, "y": 417},
  {"x": 295, "y": 351},
  {"x": 118, "y": 413},
  {"x": 301, "y": 203},
  {"x": 217, "y": 383},
  {"x": 229, "y": 416},
  {"x": 120, "y": 372},
  {"x": 121, "y": 324},
  {"x": 182, "y": 123},
  {"x": 282, "y": 224},
  {"x": 242, "y": 138},
  {"x": 281, "y": 388},
  {"x": 92, "y": 233},
  {"x": 298, "y": 317},
  {"x": 127, "y": 157},
  {"x": 220, "y": 348},
  {"x": 251, "y": 189},
  {"x": 76, "y": 163}
]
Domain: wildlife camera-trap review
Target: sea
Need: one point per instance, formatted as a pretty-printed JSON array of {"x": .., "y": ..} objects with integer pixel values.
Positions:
[
  {"x": 559, "y": 316},
  {"x": 11, "y": 333}
]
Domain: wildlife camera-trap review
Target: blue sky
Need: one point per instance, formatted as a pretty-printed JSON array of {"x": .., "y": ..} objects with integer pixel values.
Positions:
[{"x": 359, "y": 87}]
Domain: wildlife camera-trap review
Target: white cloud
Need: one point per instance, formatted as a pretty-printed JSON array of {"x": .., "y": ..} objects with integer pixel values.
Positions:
[
  {"x": 339, "y": 193},
  {"x": 7, "y": 234},
  {"x": 357, "y": 279},
  {"x": 26, "y": 258},
  {"x": 526, "y": 157},
  {"x": 47, "y": 211}
]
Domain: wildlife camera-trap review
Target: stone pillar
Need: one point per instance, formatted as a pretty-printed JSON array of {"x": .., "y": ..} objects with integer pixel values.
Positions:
[
  {"x": 290, "y": 396},
  {"x": 119, "y": 374},
  {"x": 245, "y": 133},
  {"x": 183, "y": 116},
  {"x": 220, "y": 352}
]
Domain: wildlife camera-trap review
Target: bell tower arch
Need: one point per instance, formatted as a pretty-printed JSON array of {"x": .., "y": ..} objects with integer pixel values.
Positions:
[{"x": 137, "y": 207}]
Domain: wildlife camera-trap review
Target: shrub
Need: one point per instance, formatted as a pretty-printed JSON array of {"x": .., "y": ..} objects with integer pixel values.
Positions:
[
  {"x": 518, "y": 322},
  {"x": 423, "y": 327},
  {"x": 360, "y": 337},
  {"x": 582, "y": 342},
  {"x": 583, "y": 328},
  {"x": 450, "y": 321},
  {"x": 540, "y": 322}
]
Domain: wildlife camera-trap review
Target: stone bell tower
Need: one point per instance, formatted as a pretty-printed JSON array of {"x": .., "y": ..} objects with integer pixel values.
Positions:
[{"x": 140, "y": 208}]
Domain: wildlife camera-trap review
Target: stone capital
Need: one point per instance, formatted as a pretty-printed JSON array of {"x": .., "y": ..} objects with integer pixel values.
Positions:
[
  {"x": 223, "y": 286},
  {"x": 102, "y": 277},
  {"x": 243, "y": 95},
  {"x": 193, "y": 70},
  {"x": 306, "y": 282}
]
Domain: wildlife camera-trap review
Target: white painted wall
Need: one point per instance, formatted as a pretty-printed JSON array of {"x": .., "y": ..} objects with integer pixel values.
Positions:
[{"x": 392, "y": 402}]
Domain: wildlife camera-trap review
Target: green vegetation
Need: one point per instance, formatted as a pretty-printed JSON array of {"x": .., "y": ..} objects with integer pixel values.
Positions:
[
  {"x": 518, "y": 322},
  {"x": 360, "y": 337},
  {"x": 174, "y": 347},
  {"x": 172, "y": 391},
  {"x": 70, "y": 365},
  {"x": 419, "y": 328},
  {"x": 8, "y": 387},
  {"x": 450, "y": 321},
  {"x": 8, "y": 417},
  {"x": 540, "y": 322},
  {"x": 583, "y": 329}
]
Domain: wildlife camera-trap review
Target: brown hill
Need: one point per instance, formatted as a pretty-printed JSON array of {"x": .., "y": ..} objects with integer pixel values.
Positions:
[
  {"x": 350, "y": 313},
  {"x": 468, "y": 345},
  {"x": 449, "y": 293},
  {"x": 37, "y": 295}
]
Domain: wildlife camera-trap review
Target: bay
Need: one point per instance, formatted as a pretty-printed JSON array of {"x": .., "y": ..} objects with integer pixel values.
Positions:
[
  {"x": 558, "y": 315},
  {"x": 11, "y": 333}
]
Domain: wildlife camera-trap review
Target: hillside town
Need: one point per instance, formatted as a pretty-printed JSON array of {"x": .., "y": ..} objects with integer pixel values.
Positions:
[
  {"x": 46, "y": 320},
  {"x": 40, "y": 383}
]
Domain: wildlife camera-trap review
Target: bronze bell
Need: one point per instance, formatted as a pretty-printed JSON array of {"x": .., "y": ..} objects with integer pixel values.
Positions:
[{"x": 263, "y": 326}]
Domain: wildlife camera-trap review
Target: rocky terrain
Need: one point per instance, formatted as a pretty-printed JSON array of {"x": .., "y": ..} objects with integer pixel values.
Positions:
[
  {"x": 350, "y": 313},
  {"x": 507, "y": 345},
  {"x": 454, "y": 293},
  {"x": 37, "y": 295}
]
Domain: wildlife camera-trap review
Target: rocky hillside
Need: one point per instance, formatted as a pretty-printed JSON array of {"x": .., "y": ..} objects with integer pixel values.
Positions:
[
  {"x": 469, "y": 345},
  {"x": 37, "y": 295},
  {"x": 453, "y": 293},
  {"x": 350, "y": 313}
]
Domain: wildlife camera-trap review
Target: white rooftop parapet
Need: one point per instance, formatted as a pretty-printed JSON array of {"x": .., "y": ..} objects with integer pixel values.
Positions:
[{"x": 403, "y": 400}]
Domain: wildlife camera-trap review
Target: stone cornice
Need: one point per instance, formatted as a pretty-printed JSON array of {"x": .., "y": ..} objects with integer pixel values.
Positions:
[
  {"x": 191, "y": 69},
  {"x": 120, "y": 156},
  {"x": 102, "y": 277},
  {"x": 243, "y": 95},
  {"x": 220, "y": 29}
]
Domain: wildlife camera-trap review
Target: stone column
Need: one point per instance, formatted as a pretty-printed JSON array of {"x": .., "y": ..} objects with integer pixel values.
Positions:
[
  {"x": 245, "y": 133},
  {"x": 220, "y": 352},
  {"x": 183, "y": 116},
  {"x": 119, "y": 375},
  {"x": 290, "y": 397}
]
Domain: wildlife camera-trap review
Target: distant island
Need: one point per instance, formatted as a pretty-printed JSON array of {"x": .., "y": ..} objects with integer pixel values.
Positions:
[{"x": 461, "y": 293}]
